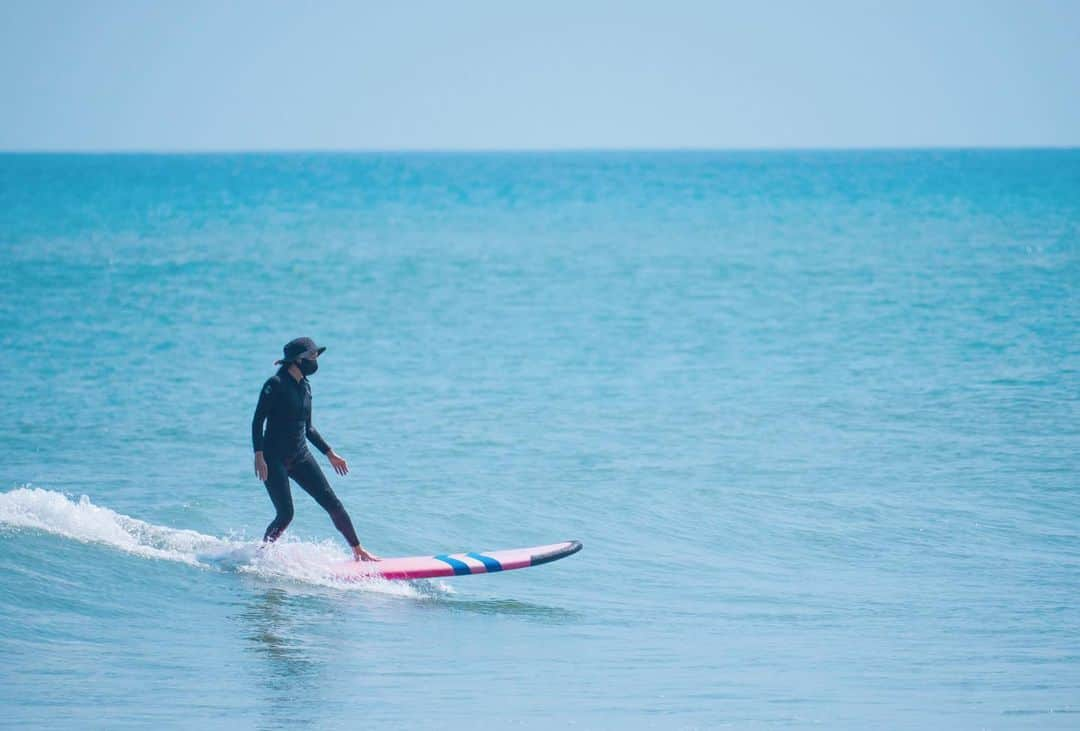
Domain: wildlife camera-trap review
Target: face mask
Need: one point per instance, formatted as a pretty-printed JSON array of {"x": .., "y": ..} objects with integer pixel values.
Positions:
[{"x": 308, "y": 366}]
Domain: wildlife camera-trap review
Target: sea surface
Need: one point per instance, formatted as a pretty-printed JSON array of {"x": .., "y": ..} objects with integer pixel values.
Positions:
[{"x": 814, "y": 415}]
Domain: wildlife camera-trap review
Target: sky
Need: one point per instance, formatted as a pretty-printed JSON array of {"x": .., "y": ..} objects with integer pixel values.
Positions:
[{"x": 210, "y": 75}]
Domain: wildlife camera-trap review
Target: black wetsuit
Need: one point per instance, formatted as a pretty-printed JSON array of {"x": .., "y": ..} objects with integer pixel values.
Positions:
[{"x": 285, "y": 406}]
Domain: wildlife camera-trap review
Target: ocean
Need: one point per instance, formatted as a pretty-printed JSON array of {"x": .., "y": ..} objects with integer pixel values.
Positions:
[{"x": 815, "y": 417}]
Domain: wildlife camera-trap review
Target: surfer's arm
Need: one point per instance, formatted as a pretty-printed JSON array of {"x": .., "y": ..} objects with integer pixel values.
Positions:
[
  {"x": 336, "y": 460},
  {"x": 262, "y": 411},
  {"x": 315, "y": 438}
]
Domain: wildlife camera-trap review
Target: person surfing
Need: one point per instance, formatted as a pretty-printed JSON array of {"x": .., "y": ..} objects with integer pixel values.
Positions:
[{"x": 281, "y": 452}]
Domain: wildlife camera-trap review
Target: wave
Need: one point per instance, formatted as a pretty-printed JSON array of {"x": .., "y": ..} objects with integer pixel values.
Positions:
[{"x": 288, "y": 559}]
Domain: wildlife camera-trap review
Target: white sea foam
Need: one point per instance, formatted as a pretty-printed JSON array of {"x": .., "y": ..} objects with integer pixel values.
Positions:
[
  {"x": 287, "y": 560},
  {"x": 81, "y": 520}
]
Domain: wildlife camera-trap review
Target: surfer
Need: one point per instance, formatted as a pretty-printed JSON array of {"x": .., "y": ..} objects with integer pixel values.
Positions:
[{"x": 285, "y": 406}]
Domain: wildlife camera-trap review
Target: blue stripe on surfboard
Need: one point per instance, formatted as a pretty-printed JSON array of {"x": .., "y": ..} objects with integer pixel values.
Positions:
[
  {"x": 460, "y": 567},
  {"x": 490, "y": 563}
]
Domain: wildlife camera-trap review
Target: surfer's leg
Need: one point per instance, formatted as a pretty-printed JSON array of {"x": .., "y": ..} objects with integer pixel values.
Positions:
[
  {"x": 309, "y": 475},
  {"x": 277, "y": 484}
]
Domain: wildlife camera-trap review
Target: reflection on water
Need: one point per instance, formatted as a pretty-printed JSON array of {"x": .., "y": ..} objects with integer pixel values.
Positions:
[
  {"x": 510, "y": 607},
  {"x": 315, "y": 647},
  {"x": 290, "y": 674}
]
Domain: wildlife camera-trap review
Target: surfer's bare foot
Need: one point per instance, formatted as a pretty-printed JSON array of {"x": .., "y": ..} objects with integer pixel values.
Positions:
[{"x": 361, "y": 554}]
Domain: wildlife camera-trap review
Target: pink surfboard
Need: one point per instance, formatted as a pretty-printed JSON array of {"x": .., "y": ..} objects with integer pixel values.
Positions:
[{"x": 455, "y": 564}]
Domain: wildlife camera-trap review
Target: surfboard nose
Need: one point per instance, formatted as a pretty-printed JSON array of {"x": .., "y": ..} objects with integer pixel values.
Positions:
[{"x": 562, "y": 551}]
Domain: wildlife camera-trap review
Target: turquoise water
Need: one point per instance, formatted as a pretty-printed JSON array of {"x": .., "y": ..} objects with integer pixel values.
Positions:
[{"x": 815, "y": 417}]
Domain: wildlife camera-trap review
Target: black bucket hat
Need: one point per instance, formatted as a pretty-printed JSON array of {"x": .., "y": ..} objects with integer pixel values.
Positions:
[{"x": 300, "y": 348}]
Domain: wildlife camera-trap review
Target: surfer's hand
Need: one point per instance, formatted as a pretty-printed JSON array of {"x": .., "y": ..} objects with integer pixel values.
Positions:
[
  {"x": 338, "y": 462},
  {"x": 260, "y": 467},
  {"x": 360, "y": 554}
]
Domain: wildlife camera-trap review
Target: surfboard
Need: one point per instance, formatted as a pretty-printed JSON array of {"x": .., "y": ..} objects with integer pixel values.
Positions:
[{"x": 455, "y": 564}]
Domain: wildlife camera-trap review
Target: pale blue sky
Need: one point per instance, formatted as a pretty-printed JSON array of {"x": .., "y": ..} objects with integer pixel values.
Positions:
[{"x": 212, "y": 75}]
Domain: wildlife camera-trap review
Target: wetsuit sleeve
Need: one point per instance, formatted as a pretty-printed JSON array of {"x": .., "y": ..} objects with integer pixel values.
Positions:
[
  {"x": 315, "y": 438},
  {"x": 262, "y": 410}
]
